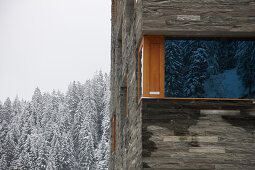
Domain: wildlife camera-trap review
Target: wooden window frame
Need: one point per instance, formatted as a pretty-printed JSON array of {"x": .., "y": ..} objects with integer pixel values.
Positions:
[
  {"x": 113, "y": 134},
  {"x": 115, "y": 6},
  {"x": 115, "y": 10},
  {"x": 139, "y": 70},
  {"x": 145, "y": 44}
]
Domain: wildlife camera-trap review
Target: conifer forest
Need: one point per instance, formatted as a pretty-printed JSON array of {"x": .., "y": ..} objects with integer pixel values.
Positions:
[
  {"x": 57, "y": 131},
  {"x": 210, "y": 68}
]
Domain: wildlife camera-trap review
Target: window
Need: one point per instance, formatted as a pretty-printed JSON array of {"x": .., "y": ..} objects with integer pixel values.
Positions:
[
  {"x": 210, "y": 68},
  {"x": 135, "y": 2},
  {"x": 114, "y": 10},
  {"x": 197, "y": 67},
  {"x": 140, "y": 71},
  {"x": 113, "y": 134}
]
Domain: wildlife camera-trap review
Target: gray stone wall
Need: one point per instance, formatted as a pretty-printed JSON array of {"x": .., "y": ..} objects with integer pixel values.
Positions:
[
  {"x": 167, "y": 133},
  {"x": 199, "y": 17},
  {"x": 126, "y": 37},
  {"x": 188, "y": 134}
]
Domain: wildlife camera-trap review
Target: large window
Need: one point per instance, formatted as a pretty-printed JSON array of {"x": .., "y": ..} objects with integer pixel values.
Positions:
[
  {"x": 113, "y": 133},
  {"x": 210, "y": 68},
  {"x": 198, "y": 67}
]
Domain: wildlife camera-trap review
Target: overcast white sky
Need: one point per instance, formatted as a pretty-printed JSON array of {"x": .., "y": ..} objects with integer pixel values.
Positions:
[{"x": 49, "y": 43}]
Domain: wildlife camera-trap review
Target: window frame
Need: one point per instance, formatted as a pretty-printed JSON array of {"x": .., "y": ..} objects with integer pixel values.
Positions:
[
  {"x": 146, "y": 52},
  {"x": 114, "y": 11},
  {"x": 139, "y": 71},
  {"x": 113, "y": 134}
]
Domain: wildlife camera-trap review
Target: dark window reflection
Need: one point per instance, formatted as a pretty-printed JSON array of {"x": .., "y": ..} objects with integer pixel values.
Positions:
[
  {"x": 210, "y": 68},
  {"x": 141, "y": 71}
]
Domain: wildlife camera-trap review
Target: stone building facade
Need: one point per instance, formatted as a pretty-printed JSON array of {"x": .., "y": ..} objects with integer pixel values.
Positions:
[{"x": 150, "y": 131}]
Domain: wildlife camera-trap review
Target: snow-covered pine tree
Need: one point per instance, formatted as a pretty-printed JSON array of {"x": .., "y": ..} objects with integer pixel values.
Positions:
[
  {"x": 67, "y": 158},
  {"x": 89, "y": 107},
  {"x": 2, "y": 159},
  {"x": 1, "y": 111},
  {"x": 3, "y": 162},
  {"x": 9, "y": 146},
  {"x": 5, "y": 157},
  {"x": 7, "y": 110},
  {"x": 226, "y": 50},
  {"x": 16, "y": 119},
  {"x": 36, "y": 107},
  {"x": 103, "y": 150},
  {"x": 72, "y": 99},
  {"x": 197, "y": 73},
  {"x": 211, "y": 48},
  {"x": 24, "y": 154},
  {"x": 86, "y": 156},
  {"x": 98, "y": 90},
  {"x": 102, "y": 153},
  {"x": 174, "y": 68},
  {"x": 54, "y": 152},
  {"x": 41, "y": 134},
  {"x": 246, "y": 67}
]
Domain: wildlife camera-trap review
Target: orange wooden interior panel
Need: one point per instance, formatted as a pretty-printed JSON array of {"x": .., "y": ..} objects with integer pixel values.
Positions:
[
  {"x": 154, "y": 72},
  {"x": 153, "y": 69}
]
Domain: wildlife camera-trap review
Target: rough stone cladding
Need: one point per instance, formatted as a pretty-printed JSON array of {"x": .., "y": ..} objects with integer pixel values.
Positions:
[
  {"x": 126, "y": 37},
  {"x": 198, "y": 17},
  {"x": 160, "y": 134},
  {"x": 198, "y": 134}
]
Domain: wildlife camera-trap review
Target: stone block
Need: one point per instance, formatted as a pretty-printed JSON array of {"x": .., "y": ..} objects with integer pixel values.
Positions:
[
  {"x": 208, "y": 150},
  {"x": 190, "y": 138},
  {"x": 220, "y": 112}
]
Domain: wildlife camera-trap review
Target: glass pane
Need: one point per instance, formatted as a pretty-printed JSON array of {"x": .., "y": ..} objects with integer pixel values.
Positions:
[
  {"x": 210, "y": 68},
  {"x": 141, "y": 71}
]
